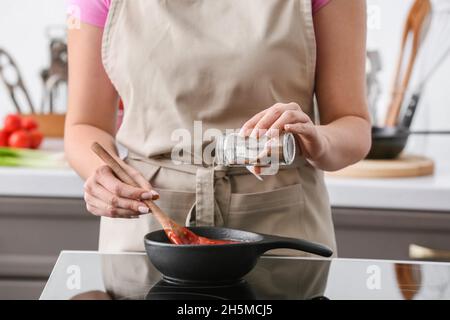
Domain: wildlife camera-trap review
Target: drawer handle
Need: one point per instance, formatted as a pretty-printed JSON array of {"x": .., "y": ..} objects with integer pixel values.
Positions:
[{"x": 417, "y": 252}]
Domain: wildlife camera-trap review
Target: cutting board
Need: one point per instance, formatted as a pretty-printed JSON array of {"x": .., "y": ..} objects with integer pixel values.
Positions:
[
  {"x": 405, "y": 166},
  {"x": 51, "y": 125}
]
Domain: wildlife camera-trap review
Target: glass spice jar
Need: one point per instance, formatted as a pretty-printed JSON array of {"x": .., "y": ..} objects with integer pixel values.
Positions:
[{"x": 234, "y": 150}]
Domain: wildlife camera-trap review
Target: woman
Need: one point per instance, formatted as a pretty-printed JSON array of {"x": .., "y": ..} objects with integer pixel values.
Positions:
[{"x": 251, "y": 64}]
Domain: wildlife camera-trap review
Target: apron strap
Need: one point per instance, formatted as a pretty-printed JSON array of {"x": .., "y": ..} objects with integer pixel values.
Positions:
[
  {"x": 213, "y": 194},
  {"x": 204, "y": 194}
]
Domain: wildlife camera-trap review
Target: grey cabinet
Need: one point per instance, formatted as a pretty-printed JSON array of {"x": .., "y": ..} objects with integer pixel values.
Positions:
[
  {"x": 33, "y": 231},
  {"x": 388, "y": 234},
  {"x": 23, "y": 289}
]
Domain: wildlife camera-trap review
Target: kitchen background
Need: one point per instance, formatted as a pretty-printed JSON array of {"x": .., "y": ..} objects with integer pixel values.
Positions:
[
  {"x": 43, "y": 211},
  {"x": 24, "y": 24}
]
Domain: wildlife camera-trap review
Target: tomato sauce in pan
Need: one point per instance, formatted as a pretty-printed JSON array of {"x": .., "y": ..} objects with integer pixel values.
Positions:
[{"x": 191, "y": 238}]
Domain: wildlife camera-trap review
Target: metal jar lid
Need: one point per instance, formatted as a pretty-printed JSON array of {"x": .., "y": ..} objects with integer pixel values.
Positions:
[{"x": 289, "y": 148}]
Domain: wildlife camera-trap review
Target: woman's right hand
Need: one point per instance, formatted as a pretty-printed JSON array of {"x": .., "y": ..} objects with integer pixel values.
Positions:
[{"x": 107, "y": 196}]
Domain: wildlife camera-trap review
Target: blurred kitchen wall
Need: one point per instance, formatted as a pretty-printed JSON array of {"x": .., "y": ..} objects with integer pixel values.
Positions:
[{"x": 22, "y": 34}]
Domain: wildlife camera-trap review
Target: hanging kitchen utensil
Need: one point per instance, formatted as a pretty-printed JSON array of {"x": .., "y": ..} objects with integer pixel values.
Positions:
[
  {"x": 434, "y": 51},
  {"x": 11, "y": 77},
  {"x": 413, "y": 32},
  {"x": 55, "y": 77}
]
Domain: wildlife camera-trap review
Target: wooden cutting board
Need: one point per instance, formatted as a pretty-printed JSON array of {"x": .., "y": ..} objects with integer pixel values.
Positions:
[{"x": 405, "y": 166}]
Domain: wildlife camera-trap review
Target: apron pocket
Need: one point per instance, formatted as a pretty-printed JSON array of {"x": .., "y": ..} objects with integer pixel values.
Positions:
[{"x": 277, "y": 212}]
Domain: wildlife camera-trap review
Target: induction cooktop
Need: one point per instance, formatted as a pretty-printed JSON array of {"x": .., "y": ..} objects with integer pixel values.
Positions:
[{"x": 91, "y": 275}]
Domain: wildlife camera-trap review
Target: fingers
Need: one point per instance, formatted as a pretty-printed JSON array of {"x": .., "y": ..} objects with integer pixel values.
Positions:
[
  {"x": 306, "y": 130},
  {"x": 260, "y": 123},
  {"x": 141, "y": 181},
  {"x": 110, "y": 200},
  {"x": 117, "y": 213},
  {"x": 106, "y": 178},
  {"x": 106, "y": 195},
  {"x": 313, "y": 145},
  {"x": 288, "y": 117},
  {"x": 247, "y": 128}
]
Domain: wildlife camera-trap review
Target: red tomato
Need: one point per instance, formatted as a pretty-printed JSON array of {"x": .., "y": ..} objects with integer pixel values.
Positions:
[
  {"x": 29, "y": 124},
  {"x": 4, "y": 136},
  {"x": 12, "y": 123},
  {"x": 20, "y": 139},
  {"x": 36, "y": 139}
]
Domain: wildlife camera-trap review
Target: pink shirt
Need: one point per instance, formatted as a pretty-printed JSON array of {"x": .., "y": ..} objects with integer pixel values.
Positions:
[{"x": 95, "y": 12}]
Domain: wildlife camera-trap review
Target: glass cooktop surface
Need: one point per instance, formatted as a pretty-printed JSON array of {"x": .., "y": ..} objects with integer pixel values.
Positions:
[{"x": 91, "y": 275}]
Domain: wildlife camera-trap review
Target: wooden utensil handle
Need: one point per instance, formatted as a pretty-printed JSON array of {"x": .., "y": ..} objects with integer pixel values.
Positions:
[
  {"x": 413, "y": 28},
  {"x": 126, "y": 178},
  {"x": 113, "y": 164}
]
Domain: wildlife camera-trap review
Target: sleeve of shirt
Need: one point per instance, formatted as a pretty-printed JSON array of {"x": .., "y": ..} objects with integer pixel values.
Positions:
[
  {"x": 93, "y": 12},
  {"x": 319, "y": 4}
]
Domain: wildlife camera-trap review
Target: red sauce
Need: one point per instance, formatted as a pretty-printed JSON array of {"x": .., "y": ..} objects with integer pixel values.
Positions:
[
  {"x": 207, "y": 241},
  {"x": 188, "y": 237}
]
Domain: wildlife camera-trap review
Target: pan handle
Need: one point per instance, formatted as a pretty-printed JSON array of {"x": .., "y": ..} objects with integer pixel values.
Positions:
[{"x": 274, "y": 242}]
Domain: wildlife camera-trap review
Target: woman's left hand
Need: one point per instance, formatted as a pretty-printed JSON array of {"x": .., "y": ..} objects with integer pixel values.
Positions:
[{"x": 289, "y": 118}]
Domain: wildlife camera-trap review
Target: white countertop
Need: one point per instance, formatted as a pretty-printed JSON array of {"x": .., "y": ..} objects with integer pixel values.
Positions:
[
  {"x": 421, "y": 193},
  {"x": 425, "y": 193}
]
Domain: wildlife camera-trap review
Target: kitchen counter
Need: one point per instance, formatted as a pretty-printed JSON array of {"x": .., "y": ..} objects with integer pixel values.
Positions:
[
  {"x": 426, "y": 193},
  {"x": 91, "y": 275},
  {"x": 419, "y": 193},
  {"x": 423, "y": 193}
]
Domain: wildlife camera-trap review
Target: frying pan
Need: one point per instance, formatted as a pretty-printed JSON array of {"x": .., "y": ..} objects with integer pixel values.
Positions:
[
  {"x": 389, "y": 142},
  {"x": 218, "y": 264}
]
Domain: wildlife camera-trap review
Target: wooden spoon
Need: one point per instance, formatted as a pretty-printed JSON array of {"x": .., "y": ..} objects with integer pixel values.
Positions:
[
  {"x": 413, "y": 29},
  {"x": 176, "y": 233}
]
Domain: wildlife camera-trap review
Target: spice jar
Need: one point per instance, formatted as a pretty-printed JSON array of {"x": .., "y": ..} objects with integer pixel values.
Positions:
[{"x": 235, "y": 150}]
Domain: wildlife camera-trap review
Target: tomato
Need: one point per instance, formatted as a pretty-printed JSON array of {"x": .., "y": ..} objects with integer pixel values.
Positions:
[
  {"x": 4, "y": 136},
  {"x": 36, "y": 139},
  {"x": 29, "y": 124},
  {"x": 20, "y": 139},
  {"x": 12, "y": 123}
]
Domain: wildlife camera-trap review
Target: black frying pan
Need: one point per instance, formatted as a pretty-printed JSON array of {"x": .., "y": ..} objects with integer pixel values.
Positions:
[
  {"x": 389, "y": 142},
  {"x": 218, "y": 263}
]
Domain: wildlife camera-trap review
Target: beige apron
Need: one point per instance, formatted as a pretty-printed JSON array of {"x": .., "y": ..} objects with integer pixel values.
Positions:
[{"x": 220, "y": 62}]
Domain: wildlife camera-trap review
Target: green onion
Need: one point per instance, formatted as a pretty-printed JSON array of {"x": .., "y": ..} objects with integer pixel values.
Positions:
[{"x": 10, "y": 157}]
